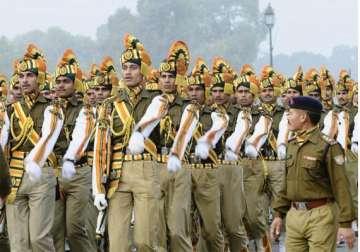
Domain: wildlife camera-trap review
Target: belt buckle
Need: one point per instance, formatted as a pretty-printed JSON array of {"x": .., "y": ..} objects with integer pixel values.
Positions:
[{"x": 301, "y": 205}]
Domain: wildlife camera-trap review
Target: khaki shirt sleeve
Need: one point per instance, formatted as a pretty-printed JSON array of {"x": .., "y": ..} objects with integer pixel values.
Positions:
[
  {"x": 5, "y": 181},
  {"x": 281, "y": 204},
  {"x": 335, "y": 160}
]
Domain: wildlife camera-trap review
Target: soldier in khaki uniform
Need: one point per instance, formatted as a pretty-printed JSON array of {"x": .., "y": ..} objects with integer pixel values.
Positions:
[
  {"x": 75, "y": 179},
  {"x": 315, "y": 185},
  {"x": 328, "y": 83},
  {"x": 129, "y": 181},
  {"x": 175, "y": 186},
  {"x": 230, "y": 175},
  {"x": 339, "y": 125},
  {"x": 247, "y": 90},
  {"x": 102, "y": 81},
  {"x": 196, "y": 128},
  {"x": 34, "y": 126},
  {"x": 262, "y": 146}
]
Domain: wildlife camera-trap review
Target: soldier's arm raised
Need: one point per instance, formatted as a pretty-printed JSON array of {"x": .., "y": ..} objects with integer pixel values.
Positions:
[
  {"x": 51, "y": 128},
  {"x": 79, "y": 141},
  {"x": 154, "y": 113}
]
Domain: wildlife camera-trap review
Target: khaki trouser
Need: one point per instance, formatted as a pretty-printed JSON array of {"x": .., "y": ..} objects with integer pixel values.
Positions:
[
  {"x": 232, "y": 205},
  {"x": 91, "y": 223},
  {"x": 139, "y": 189},
  {"x": 30, "y": 217},
  {"x": 175, "y": 228},
  {"x": 255, "y": 198},
  {"x": 206, "y": 196},
  {"x": 311, "y": 230},
  {"x": 351, "y": 166},
  {"x": 4, "y": 240},
  {"x": 71, "y": 212}
]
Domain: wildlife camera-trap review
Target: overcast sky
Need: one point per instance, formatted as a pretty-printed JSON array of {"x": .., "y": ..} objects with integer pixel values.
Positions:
[{"x": 301, "y": 25}]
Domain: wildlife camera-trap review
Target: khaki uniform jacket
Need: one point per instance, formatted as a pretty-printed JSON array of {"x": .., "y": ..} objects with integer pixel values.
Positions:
[
  {"x": 310, "y": 176},
  {"x": 36, "y": 112},
  {"x": 71, "y": 112}
]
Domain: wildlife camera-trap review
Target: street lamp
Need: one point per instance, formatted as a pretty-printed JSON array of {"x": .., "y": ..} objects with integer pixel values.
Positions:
[{"x": 269, "y": 21}]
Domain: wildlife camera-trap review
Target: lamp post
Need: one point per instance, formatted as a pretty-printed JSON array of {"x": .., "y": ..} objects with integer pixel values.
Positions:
[{"x": 269, "y": 21}]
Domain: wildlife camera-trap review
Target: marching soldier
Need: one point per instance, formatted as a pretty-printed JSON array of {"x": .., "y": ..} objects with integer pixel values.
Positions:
[
  {"x": 315, "y": 180},
  {"x": 127, "y": 181},
  {"x": 339, "y": 125},
  {"x": 328, "y": 83},
  {"x": 262, "y": 146},
  {"x": 230, "y": 175},
  {"x": 75, "y": 179},
  {"x": 163, "y": 115},
  {"x": 293, "y": 88},
  {"x": 199, "y": 132},
  {"x": 35, "y": 126},
  {"x": 103, "y": 80}
]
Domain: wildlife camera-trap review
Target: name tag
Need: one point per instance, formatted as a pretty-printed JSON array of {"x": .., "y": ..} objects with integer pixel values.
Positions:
[{"x": 310, "y": 158}]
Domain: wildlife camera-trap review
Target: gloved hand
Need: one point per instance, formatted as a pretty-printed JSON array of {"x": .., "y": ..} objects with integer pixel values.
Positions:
[
  {"x": 230, "y": 155},
  {"x": 68, "y": 170},
  {"x": 33, "y": 169},
  {"x": 281, "y": 152},
  {"x": 202, "y": 150},
  {"x": 354, "y": 148},
  {"x": 136, "y": 143},
  {"x": 100, "y": 201},
  {"x": 250, "y": 150},
  {"x": 174, "y": 164}
]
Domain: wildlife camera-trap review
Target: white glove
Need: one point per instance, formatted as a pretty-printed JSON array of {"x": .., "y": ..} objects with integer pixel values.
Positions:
[
  {"x": 354, "y": 148},
  {"x": 202, "y": 150},
  {"x": 68, "y": 170},
  {"x": 250, "y": 150},
  {"x": 136, "y": 143},
  {"x": 230, "y": 155},
  {"x": 174, "y": 164},
  {"x": 100, "y": 201},
  {"x": 281, "y": 152},
  {"x": 33, "y": 170}
]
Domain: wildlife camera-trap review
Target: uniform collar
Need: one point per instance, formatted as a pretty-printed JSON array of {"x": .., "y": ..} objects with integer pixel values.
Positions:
[{"x": 310, "y": 135}]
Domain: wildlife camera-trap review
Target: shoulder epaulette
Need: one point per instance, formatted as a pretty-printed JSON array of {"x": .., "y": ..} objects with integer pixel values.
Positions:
[
  {"x": 327, "y": 139},
  {"x": 111, "y": 99}
]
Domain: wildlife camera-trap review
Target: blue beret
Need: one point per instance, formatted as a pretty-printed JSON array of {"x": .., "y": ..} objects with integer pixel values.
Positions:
[{"x": 306, "y": 103}]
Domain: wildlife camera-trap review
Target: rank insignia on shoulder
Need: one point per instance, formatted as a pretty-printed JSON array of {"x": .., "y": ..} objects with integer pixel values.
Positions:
[
  {"x": 328, "y": 139},
  {"x": 339, "y": 159},
  {"x": 310, "y": 158}
]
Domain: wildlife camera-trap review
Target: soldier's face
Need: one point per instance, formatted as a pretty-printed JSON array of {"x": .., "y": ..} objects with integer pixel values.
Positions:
[
  {"x": 167, "y": 82},
  {"x": 131, "y": 74},
  {"x": 196, "y": 93},
  {"x": 16, "y": 91},
  {"x": 315, "y": 95},
  {"x": 243, "y": 96},
  {"x": 64, "y": 87},
  {"x": 292, "y": 93},
  {"x": 342, "y": 97},
  {"x": 101, "y": 93},
  {"x": 28, "y": 82},
  {"x": 90, "y": 93},
  {"x": 219, "y": 96},
  {"x": 296, "y": 119},
  {"x": 267, "y": 95},
  {"x": 328, "y": 93}
]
